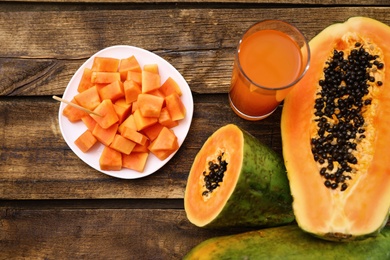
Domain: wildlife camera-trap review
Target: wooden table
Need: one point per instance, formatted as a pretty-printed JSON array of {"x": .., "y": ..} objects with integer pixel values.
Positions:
[{"x": 53, "y": 205}]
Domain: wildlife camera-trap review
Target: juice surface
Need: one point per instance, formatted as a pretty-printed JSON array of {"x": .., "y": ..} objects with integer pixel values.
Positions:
[{"x": 270, "y": 59}]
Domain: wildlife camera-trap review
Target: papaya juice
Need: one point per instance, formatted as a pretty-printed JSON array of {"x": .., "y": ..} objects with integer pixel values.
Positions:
[{"x": 267, "y": 62}]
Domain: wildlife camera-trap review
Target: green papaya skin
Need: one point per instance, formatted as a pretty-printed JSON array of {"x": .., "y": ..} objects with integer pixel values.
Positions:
[
  {"x": 261, "y": 197},
  {"x": 289, "y": 243}
]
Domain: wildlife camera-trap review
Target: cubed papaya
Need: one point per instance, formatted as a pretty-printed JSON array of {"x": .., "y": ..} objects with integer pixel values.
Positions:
[
  {"x": 170, "y": 86},
  {"x": 128, "y": 64},
  {"x": 89, "y": 122},
  {"x": 105, "y": 136},
  {"x": 129, "y": 122},
  {"x": 135, "y": 161},
  {"x": 108, "y": 116},
  {"x": 166, "y": 140},
  {"x": 132, "y": 89},
  {"x": 136, "y": 76},
  {"x": 122, "y": 102},
  {"x": 99, "y": 77},
  {"x": 113, "y": 91},
  {"x": 149, "y": 105},
  {"x": 134, "y": 107},
  {"x": 85, "y": 82},
  {"x": 152, "y": 131},
  {"x": 153, "y": 67},
  {"x": 164, "y": 154},
  {"x": 165, "y": 144},
  {"x": 166, "y": 120},
  {"x": 122, "y": 112},
  {"x": 150, "y": 81},
  {"x": 105, "y": 64},
  {"x": 134, "y": 136},
  {"x": 122, "y": 144},
  {"x": 142, "y": 148},
  {"x": 85, "y": 141},
  {"x": 175, "y": 106},
  {"x": 89, "y": 98},
  {"x": 110, "y": 160},
  {"x": 73, "y": 114},
  {"x": 143, "y": 122},
  {"x": 158, "y": 93}
]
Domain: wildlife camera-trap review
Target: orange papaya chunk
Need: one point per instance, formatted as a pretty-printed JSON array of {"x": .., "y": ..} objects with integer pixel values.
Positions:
[
  {"x": 128, "y": 64},
  {"x": 166, "y": 120},
  {"x": 85, "y": 82},
  {"x": 132, "y": 89},
  {"x": 134, "y": 136},
  {"x": 175, "y": 106},
  {"x": 158, "y": 93},
  {"x": 122, "y": 103},
  {"x": 143, "y": 122},
  {"x": 165, "y": 144},
  {"x": 73, "y": 114},
  {"x": 110, "y": 160},
  {"x": 85, "y": 141},
  {"x": 166, "y": 140},
  {"x": 89, "y": 98},
  {"x": 153, "y": 68},
  {"x": 129, "y": 122},
  {"x": 108, "y": 116},
  {"x": 134, "y": 107},
  {"x": 89, "y": 122},
  {"x": 170, "y": 86},
  {"x": 99, "y": 77},
  {"x": 149, "y": 105},
  {"x": 150, "y": 81},
  {"x": 141, "y": 148},
  {"x": 122, "y": 144},
  {"x": 135, "y": 161},
  {"x": 105, "y": 136},
  {"x": 152, "y": 131},
  {"x": 136, "y": 76},
  {"x": 112, "y": 91},
  {"x": 105, "y": 64},
  {"x": 122, "y": 113},
  {"x": 164, "y": 154}
]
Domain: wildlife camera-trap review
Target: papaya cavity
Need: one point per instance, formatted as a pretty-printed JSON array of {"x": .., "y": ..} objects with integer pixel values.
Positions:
[{"x": 343, "y": 112}]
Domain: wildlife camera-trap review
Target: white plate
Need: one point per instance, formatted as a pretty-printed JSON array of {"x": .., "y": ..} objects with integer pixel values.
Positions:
[{"x": 71, "y": 131}]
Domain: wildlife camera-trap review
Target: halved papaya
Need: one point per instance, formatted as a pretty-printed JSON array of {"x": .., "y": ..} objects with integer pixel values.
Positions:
[
  {"x": 235, "y": 180},
  {"x": 334, "y": 131}
]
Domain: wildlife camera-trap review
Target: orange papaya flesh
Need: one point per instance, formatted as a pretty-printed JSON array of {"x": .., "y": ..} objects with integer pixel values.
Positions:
[
  {"x": 288, "y": 242},
  {"x": 334, "y": 131},
  {"x": 235, "y": 180}
]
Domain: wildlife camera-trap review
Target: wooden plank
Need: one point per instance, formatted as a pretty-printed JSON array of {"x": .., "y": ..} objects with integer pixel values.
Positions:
[
  {"x": 36, "y": 163},
  {"x": 98, "y": 233},
  {"x": 199, "y": 42},
  {"x": 290, "y": 2}
]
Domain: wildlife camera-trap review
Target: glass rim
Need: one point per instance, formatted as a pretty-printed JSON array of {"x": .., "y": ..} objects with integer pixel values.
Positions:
[{"x": 295, "y": 81}]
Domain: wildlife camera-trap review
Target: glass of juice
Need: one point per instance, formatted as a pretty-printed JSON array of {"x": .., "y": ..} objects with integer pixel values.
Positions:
[{"x": 271, "y": 57}]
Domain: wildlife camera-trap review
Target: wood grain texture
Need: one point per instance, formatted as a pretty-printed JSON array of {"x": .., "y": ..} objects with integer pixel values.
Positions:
[
  {"x": 27, "y": 233},
  {"x": 53, "y": 205},
  {"x": 274, "y": 2},
  {"x": 47, "y": 47},
  {"x": 36, "y": 163}
]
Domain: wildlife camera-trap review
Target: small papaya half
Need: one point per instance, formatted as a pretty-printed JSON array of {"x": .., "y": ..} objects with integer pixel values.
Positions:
[
  {"x": 237, "y": 181},
  {"x": 335, "y": 133}
]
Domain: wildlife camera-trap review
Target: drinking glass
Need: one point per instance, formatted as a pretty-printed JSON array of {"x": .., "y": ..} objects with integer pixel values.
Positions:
[{"x": 271, "y": 57}]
